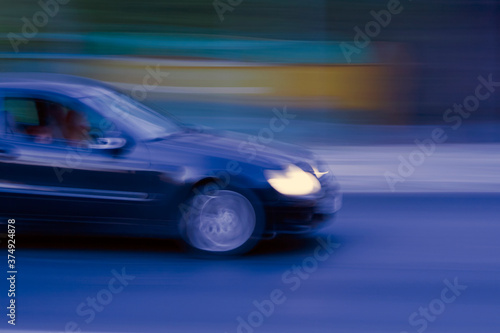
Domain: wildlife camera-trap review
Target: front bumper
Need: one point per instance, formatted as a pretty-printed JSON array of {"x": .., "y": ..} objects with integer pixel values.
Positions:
[{"x": 305, "y": 214}]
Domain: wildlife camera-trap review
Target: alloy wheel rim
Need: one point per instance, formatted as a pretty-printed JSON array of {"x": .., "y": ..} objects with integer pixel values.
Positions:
[{"x": 220, "y": 222}]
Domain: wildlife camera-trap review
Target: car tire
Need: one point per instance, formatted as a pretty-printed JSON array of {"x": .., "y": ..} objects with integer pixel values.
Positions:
[{"x": 221, "y": 221}]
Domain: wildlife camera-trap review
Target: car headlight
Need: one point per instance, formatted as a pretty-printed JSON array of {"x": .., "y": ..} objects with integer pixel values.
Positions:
[{"x": 293, "y": 181}]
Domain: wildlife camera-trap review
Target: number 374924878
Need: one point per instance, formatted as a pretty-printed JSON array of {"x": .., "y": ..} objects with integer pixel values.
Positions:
[{"x": 11, "y": 243}]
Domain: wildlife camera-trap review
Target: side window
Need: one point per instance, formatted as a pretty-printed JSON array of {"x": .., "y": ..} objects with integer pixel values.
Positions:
[
  {"x": 47, "y": 122},
  {"x": 23, "y": 111}
]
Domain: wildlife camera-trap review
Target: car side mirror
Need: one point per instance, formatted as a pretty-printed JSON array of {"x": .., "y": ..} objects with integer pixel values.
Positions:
[{"x": 108, "y": 143}]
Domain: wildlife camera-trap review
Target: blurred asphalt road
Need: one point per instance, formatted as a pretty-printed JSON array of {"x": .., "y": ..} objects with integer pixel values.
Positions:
[{"x": 395, "y": 252}]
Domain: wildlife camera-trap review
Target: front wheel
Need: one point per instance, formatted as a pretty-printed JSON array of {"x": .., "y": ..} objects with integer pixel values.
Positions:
[{"x": 221, "y": 222}]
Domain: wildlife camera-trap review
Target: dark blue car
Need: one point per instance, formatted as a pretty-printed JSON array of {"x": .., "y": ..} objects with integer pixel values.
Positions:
[{"x": 79, "y": 157}]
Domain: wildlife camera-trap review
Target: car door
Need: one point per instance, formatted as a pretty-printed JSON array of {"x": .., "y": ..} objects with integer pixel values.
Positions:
[{"x": 71, "y": 187}]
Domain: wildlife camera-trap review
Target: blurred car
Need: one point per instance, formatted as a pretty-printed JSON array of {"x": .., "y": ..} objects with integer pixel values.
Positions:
[{"x": 79, "y": 157}]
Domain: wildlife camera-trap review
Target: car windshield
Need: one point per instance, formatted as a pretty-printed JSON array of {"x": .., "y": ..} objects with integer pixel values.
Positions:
[{"x": 150, "y": 124}]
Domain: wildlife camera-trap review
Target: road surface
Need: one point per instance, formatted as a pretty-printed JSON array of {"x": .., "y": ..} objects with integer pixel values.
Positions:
[{"x": 390, "y": 258}]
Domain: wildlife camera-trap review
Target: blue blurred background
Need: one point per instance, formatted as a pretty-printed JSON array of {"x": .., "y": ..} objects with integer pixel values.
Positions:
[
  {"x": 240, "y": 60},
  {"x": 227, "y": 65}
]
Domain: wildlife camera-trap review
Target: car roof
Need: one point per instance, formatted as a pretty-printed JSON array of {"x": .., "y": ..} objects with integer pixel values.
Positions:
[{"x": 68, "y": 85}]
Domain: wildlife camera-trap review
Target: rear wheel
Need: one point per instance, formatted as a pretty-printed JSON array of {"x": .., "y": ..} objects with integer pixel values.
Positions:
[{"x": 221, "y": 222}]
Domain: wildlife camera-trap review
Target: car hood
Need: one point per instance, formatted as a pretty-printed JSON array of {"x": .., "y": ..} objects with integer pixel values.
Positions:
[{"x": 235, "y": 146}]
